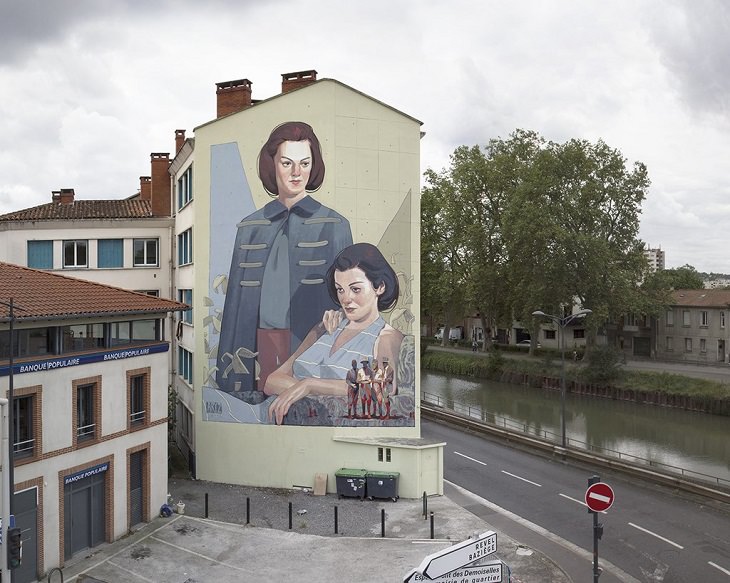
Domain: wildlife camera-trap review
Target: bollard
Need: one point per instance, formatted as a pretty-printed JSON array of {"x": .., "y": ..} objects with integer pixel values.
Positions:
[
  {"x": 335, "y": 519},
  {"x": 248, "y": 510},
  {"x": 206, "y": 504},
  {"x": 432, "y": 525},
  {"x": 425, "y": 506},
  {"x": 382, "y": 522},
  {"x": 289, "y": 515}
]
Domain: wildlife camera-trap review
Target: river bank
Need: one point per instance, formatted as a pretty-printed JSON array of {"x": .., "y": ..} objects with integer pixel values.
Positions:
[{"x": 651, "y": 388}]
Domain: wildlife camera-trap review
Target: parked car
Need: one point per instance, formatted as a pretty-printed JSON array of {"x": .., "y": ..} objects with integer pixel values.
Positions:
[{"x": 527, "y": 343}]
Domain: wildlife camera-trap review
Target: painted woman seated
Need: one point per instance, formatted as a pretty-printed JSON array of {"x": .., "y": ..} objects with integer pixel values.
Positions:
[{"x": 363, "y": 284}]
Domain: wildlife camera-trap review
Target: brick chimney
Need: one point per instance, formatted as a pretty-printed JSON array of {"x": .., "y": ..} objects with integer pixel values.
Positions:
[
  {"x": 233, "y": 96},
  {"x": 292, "y": 81},
  {"x": 63, "y": 196},
  {"x": 160, "y": 192},
  {"x": 145, "y": 188},
  {"x": 179, "y": 140}
]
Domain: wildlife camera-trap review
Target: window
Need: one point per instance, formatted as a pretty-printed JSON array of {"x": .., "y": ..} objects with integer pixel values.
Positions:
[
  {"x": 670, "y": 317},
  {"x": 40, "y": 254},
  {"x": 185, "y": 364},
  {"x": 150, "y": 292},
  {"x": 670, "y": 344},
  {"x": 688, "y": 345},
  {"x": 186, "y": 423},
  {"x": 704, "y": 318},
  {"x": 135, "y": 332},
  {"x": 145, "y": 252},
  {"x": 185, "y": 188},
  {"x": 23, "y": 434},
  {"x": 549, "y": 334},
  {"x": 387, "y": 454},
  {"x": 579, "y": 333},
  {"x": 80, "y": 337},
  {"x": 686, "y": 318},
  {"x": 110, "y": 253},
  {"x": 185, "y": 247},
  {"x": 186, "y": 297},
  {"x": 74, "y": 253},
  {"x": 138, "y": 382},
  {"x": 703, "y": 345},
  {"x": 722, "y": 319},
  {"x": 87, "y": 410}
]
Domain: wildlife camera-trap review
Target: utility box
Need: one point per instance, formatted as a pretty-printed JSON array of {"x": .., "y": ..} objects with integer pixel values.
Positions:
[
  {"x": 382, "y": 485},
  {"x": 351, "y": 483}
]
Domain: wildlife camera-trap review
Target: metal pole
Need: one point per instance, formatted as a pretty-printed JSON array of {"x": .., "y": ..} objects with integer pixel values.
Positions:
[
  {"x": 248, "y": 510},
  {"x": 206, "y": 504},
  {"x": 336, "y": 525},
  {"x": 382, "y": 522},
  {"x": 561, "y": 325},
  {"x": 5, "y": 454},
  {"x": 596, "y": 571},
  {"x": 11, "y": 420}
]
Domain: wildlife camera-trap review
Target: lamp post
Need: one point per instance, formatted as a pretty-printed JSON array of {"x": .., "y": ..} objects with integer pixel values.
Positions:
[{"x": 562, "y": 323}]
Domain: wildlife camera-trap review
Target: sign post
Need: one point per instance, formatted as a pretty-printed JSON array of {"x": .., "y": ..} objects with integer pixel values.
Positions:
[
  {"x": 457, "y": 556},
  {"x": 489, "y": 572},
  {"x": 599, "y": 498}
]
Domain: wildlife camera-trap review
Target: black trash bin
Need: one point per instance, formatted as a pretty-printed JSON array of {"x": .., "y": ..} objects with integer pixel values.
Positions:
[
  {"x": 350, "y": 483},
  {"x": 382, "y": 485}
]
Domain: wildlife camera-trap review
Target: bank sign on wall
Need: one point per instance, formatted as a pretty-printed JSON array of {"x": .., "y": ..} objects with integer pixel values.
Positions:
[{"x": 311, "y": 316}]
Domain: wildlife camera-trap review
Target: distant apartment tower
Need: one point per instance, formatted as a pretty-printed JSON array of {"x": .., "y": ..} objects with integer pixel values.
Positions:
[{"x": 656, "y": 258}]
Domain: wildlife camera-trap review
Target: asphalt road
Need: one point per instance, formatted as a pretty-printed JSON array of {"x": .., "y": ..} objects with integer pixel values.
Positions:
[{"x": 650, "y": 533}]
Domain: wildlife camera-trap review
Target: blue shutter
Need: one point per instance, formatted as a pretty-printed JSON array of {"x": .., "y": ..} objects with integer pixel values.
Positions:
[
  {"x": 110, "y": 253},
  {"x": 40, "y": 254}
]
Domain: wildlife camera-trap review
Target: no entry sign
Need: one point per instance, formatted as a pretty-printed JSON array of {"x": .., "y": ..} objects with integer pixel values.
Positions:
[{"x": 599, "y": 497}]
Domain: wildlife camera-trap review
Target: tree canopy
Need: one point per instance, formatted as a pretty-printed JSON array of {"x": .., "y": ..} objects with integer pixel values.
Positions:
[{"x": 524, "y": 223}]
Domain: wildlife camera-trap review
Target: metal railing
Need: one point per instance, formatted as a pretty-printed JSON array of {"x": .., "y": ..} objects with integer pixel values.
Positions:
[{"x": 534, "y": 431}]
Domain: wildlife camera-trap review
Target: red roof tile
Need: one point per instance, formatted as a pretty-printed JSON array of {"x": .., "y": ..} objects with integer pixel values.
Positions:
[
  {"x": 130, "y": 208},
  {"x": 702, "y": 297},
  {"x": 43, "y": 295}
]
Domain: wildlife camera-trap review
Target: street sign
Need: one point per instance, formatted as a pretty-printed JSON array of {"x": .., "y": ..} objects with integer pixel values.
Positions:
[
  {"x": 459, "y": 555},
  {"x": 489, "y": 572},
  {"x": 599, "y": 497}
]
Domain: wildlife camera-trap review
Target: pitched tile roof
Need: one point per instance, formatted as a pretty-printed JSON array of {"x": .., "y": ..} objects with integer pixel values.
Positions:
[
  {"x": 701, "y": 297},
  {"x": 130, "y": 208},
  {"x": 46, "y": 296}
]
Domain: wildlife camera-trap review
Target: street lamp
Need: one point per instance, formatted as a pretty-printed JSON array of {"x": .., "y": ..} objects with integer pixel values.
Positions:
[{"x": 562, "y": 323}]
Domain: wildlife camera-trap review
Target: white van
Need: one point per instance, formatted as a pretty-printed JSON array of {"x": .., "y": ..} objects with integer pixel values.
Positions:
[{"x": 454, "y": 333}]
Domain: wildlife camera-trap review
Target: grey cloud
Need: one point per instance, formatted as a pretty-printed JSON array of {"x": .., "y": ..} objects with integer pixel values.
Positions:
[{"x": 694, "y": 39}]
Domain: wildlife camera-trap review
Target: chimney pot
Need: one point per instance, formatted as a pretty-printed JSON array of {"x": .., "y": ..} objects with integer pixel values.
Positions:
[
  {"x": 233, "y": 96},
  {"x": 63, "y": 196},
  {"x": 160, "y": 191},
  {"x": 179, "y": 140},
  {"x": 292, "y": 81}
]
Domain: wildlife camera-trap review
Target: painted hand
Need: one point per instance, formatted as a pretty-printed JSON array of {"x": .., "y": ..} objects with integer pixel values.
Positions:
[
  {"x": 280, "y": 406},
  {"x": 331, "y": 319}
]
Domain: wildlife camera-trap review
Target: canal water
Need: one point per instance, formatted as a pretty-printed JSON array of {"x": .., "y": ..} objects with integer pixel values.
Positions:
[{"x": 694, "y": 441}]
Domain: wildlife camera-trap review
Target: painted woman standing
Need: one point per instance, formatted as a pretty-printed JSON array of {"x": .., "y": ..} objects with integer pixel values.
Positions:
[{"x": 276, "y": 285}]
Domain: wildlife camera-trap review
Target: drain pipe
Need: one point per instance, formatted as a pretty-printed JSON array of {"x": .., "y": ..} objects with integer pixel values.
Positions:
[{"x": 5, "y": 495}]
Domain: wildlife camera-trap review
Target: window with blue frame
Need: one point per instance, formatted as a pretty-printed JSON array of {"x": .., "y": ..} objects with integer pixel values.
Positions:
[
  {"x": 185, "y": 247},
  {"x": 110, "y": 253},
  {"x": 185, "y": 188},
  {"x": 186, "y": 297},
  {"x": 40, "y": 254},
  {"x": 185, "y": 364}
]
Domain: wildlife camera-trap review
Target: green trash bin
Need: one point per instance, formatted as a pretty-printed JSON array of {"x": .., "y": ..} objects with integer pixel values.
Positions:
[
  {"x": 350, "y": 483},
  {"x": 382, "y": 485}
]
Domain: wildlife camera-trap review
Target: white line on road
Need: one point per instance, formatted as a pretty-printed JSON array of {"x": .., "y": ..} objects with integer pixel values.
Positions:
[
  {"x": 578, "y": 501},
  {"x": 523, "y": 479},
  {"x": 202, "y": 556},
  {"x": 719, "y": 568},
  {"x": 137, "y": 575},
  {"x": 666, "y": 540},
  {"x": 469, "y": 458}
]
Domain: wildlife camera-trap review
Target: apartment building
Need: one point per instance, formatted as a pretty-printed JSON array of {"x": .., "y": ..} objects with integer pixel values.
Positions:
[{"x": 90, "y": 405}]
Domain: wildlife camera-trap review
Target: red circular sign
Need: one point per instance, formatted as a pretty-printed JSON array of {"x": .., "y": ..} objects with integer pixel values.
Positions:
[{"x": 599, "y": 497}]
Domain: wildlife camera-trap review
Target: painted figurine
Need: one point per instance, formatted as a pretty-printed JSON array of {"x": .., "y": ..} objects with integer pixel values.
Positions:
[
  {"x": 388, "y": 387},
  {"x": 352, "y": 390}
]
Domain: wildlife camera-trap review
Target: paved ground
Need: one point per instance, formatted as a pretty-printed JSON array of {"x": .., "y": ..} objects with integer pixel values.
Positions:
[{"x": 190, "y": 549}]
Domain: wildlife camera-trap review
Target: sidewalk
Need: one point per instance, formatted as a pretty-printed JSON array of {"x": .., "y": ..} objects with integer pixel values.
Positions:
[{"x": 188, "y": 548}]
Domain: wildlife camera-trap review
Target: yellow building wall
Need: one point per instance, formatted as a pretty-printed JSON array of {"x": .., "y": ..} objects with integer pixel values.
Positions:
[{"x": 372, "y": 178}]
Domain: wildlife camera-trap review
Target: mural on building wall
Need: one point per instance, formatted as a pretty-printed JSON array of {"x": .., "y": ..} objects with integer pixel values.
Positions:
[{"x": 303, "y": 308}]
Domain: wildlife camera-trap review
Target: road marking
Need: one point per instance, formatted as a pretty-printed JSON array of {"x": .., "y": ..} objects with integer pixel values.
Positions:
[
  {"x": 201, "y": 555},
  {"x": 578, "y": 501},
  {"x": 588, "y": 556},
  {"x": 523, "y": 479},
  {"x": 719, "y": 568},
  {"x": 666, "y": 540},
  {"x": 470, "y": 458},
  {"x": 118, "y": 566}
]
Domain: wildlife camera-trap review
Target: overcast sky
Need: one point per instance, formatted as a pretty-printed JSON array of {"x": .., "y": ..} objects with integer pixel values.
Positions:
[{"x": 88, "y": 88}]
